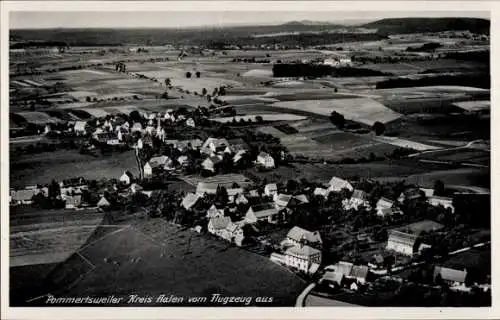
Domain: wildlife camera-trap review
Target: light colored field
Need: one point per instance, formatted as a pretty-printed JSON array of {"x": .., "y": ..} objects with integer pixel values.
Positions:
[
  {"x": 272, "y": 131},
  {"x": 474, "y": 105},
  {"x": 265, "y": 117},
  {"x": 363, "y": 110},
  {"x": 74, "y": 105},
  {"x": 81, "y": 94},
  {"x": 36, "y": 117},
  {"x": 96, "y": 112},
  {"x": 259, "y": 73},
  {"x": 247, "y": 99},
  {"x": 406, "y": 143},
  {"x": 223, "y": 179}
]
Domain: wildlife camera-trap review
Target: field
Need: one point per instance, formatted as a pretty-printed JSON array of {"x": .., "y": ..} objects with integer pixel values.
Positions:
[
  {"x": 223, "y": 179},
  {"x": 363, "y": 110},
  {"x": 455, "y": 177},
  {"x": 460, "y": 155},
  {"x": 63, "y": 164},
  {"x": 265, "y": 117},
  {"x": 153, "y": 257}
]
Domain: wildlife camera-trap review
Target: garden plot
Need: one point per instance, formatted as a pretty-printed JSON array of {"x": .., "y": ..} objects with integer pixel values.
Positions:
[
  {"x": 363, "y": 110},
  {"x": 39, "y": 118}
]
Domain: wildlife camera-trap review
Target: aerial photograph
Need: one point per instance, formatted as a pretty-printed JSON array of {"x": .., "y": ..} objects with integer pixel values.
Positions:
[{"x": 249, "y": 159}]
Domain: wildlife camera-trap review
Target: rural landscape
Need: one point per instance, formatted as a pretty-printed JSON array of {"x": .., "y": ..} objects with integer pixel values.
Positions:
[{"x": 297, "y": 164}]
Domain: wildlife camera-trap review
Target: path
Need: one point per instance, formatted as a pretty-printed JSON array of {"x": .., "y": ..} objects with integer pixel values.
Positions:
[{"x": 303, "y": 295}]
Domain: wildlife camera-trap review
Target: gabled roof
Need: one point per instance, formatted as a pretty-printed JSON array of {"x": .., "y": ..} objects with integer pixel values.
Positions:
[
  {"x": 320, "y": 192},
  {"x": 271, "y": 186},
  {"x": 332, "y": 276},
  {"x": 302, "y": 198},
  {"x": 384, "y": 203},
  {"x": 264, "y": 155},
  {"x": 302, "y": 251},
  {"x": 22, "y": 195},
  {"x": 189, "y": 200},
  {"x": 343, "y": 267},
  {"x": 359, "y": 272},
  {"x": 219, "y": 223},
  {"x": 298, "y": 234},
  {"x": 204, "y": 187},
  {"x": 449, "y": 274},
  {"x": 234, "y": 191},
  {"x": 339, "y": 184},
  {"x": 158, "y": 161},
  {"x": 282, "y": 199},
  {"x": 263, "y": 211},
  {"x": 359, "y": 194},
  {"x": 103, "y": 202},
  {"x": 402, "y": 237},
  {"x": 128, "y": 173}
]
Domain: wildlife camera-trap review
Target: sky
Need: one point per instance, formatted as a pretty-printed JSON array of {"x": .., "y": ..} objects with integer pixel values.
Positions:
[{"x": 183, "y": 19}]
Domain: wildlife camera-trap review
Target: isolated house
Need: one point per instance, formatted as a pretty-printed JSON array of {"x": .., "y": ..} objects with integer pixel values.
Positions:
[
  {"x": 265, "y": 160},
  {"x": 126, "y": 178},
  {"x": 271, "y": 189},
  {"x": 337, "y": 185}
]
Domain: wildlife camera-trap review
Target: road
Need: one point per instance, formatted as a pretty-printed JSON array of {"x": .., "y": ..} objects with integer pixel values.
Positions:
[{"x": 303, "y": 295}]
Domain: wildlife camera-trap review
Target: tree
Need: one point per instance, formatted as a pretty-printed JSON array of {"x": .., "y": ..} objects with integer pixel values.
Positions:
[
  {"x": 337, "y": 119},
  {"x": 198, "y": 74},
  {"x": 259, "y": 119},
  {"x": 164, "y": 95},
  {"x": 378, "y": 127},
  {"x": 222, "y": 91},
  {"x": 135, "y": 116},
  {"x": 188, "y": 74},
  {"x": 439, "y": 188},
  {"x": 168, "y": 82},
  {"x": 204, "y": 91}
]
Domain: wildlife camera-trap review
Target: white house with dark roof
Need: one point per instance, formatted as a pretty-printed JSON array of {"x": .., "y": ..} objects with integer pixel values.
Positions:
[
  {"x": 210, "y": 163},
  {"x": 213, "y": 211},
  {"x": 126, "y": 177},
  {"x": 155, "y": 163},
  {"x": 262, "y": 213},
  {"x": 214, "y": 145},
  {"x": 298, "y": 235},
  {"x": 302, "y": 257},
  {"x": 265, "y": 160},
  {"x": 401, "y": 242},
  {"x": 337, "y": 184},
  {"x": 271, "y": 189},
  {"x": 358, "y": 199}
]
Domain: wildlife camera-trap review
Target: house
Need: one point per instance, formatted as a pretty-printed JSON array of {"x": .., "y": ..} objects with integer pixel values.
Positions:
[
  {"x": 79, "y": 128},
  {"x": 282, "y": 201},
  {"x": 333, "y": 278},
  {"x": 134, "y": 188},
  {"x": 103, "y": 202},
  {"x": 217, "y": 226},
  {"x": 213, "y": 211},
  {"x": 241, "y": 199},
  {"x": 183, "y": 160},
  {"x": 20, "y": 197},
  {"x": 389, "y": 212},
  {"x": 190, "y": 200},
  {"x": 409, "y": 195},
  {"x": 337, "y": 185},
  {"x": 321, "y": 192},
  {"x": 302, "y": 257},
  {"x": 235, "y": 233},
  {"x": 278, "y": 258},
  {"x": 214, "y": 145},
  {"x": 73, "y": 201},
  {"x": 386, "y": 207},
  {"x": 359, "y": 273},
  {"x": 236, "y": 145},
  {"x": 350, "y": 271},
  {"x": 427, "y": 191},
  {"x": 126, "y": 178},
  {"x": 270, "y": 189},
  {"x": 109, "y": 138},
  {"x": 358, "y": 199},
  {"x": 190, "y": 123},
  {"x": 452, "y": 277},
  {"x": 442, "y": 201},
  {"x": 136, "y": 127},
  {"x": 233, "y": 192},
  {"x": 263, "y": 212},
  {"x": 239, "y": 156},
  {"x": 377, "y": 261},
  {"x": 210, "y": 163},
  {"x": 298, "y": 235},
  {"x": 401, "y": 242},
  {"x": 208, "y": 188},
  {"x": 265, "y": 160},
  {"x": 155, "y": 164}
]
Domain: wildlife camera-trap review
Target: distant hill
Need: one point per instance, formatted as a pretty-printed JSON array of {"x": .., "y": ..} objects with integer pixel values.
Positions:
[{"x": 416, "y": 25}]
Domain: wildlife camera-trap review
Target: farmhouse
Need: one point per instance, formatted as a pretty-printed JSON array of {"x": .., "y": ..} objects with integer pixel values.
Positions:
[
  {"x": 265, "y": 160},
  {"x": 19, "y": 197},
  {"x": 333, "y": 278},
  {"x": 217, "y": 226},
  {"x": 263, "y": 212},
  {"x": 190, "y": 200},
  {"x": 446, "y": 202},
  {"x": 357, "y": 200},
  {"x": 303, "y": 258},
  {"x": 109, "y": 138},
  {"x": 297, "y": 236},
  {"x": 401, "y": 242},
  {"x": 213, "y": 211},
  {"x": 80, "y": 128},
  {"x": 155, "y": 164},
  {"x": 338, "y": 61},
  {"x": 236, "y": 145},
  {"x": 241, "y": 199},
  {"x": 386, "y": 207},
  {"x": 210, "y": 163},
  {"x": 136, "y": 127},
  {"x": 270, "y": 189},
  {"x": 103, "y": 202},
  {"x": 321, "y": 192},
  {"x": 73, "y": 201},
  {"x": 234, "y": 232},
  {"x": 337, "y": 185},
  {"x": 126, "y": 177},
  {"x": 450, "y": 276},
  {"x": 214, "y": 145},
  {"x": 208, "y": 188},
  {"x": 409, "y": 195}
]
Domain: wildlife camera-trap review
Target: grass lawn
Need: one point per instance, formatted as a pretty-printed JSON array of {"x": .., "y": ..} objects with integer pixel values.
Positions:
[
  {"x": 169, "y": 265},
  {"x": 63, "y": 164}
]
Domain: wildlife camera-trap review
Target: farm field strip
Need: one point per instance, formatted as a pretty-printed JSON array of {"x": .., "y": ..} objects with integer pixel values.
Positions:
[
  {"x": 224, "y": 179},
  {"x": 265, "y": 117},
  {"x": 405, "y": 143}
]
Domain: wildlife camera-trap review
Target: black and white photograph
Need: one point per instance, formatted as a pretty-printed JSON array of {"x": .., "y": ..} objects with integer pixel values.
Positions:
[{"x": 248, "y": 158}]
